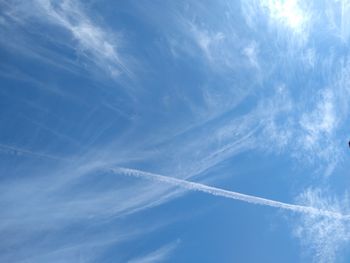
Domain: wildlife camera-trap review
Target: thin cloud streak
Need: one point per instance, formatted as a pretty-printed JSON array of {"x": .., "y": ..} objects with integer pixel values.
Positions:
[
  {"x": 13, "y": 150},
  {"x": 228, "y": 194},
  {"x": 158, "y": 255}
]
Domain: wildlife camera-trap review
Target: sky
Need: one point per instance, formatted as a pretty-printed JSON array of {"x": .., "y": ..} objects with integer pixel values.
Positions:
[{"x": 174, "y": 131}]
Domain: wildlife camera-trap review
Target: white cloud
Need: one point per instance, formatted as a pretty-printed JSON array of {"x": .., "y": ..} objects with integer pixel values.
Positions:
[
  {"x": 321, "y": 121},
  {"x": 93, "y": 39},
  {"x": 93, "y": 43},
  {"x": 323, "y": 237},
  {"x": 219, "y": 43},
  {"x": 252, "y": 51},
  {"x": 73, "y": 193},
  {"x": 322, "y": 117},
  {"x": 159, "y": 255},
  {"x": 338, "y": 20},
  {"x": 207, "y": 41},
  {"x": 276, "y": 120}
]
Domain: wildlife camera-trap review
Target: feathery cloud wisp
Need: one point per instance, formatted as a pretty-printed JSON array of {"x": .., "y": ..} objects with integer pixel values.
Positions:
[
  {"x": 158, "y": 255},
  {"x": 93, "y": 44},
  {"x": 323, "y": 236}
]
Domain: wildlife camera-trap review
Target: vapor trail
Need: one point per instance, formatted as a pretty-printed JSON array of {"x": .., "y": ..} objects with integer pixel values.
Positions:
[
  {"x": 7, "y": 149},
  {"x": 228, "y": 194}
]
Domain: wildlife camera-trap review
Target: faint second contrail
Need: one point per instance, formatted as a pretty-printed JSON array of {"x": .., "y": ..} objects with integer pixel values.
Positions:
[
  {"x": 19, "y": 151},
  {"x": 228, "y": 194}
]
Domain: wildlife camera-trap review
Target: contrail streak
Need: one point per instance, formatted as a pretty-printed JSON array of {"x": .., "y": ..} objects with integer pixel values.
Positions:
[
  {"x": 228, "y": 194},
  {"x": 19, "y": 151}
]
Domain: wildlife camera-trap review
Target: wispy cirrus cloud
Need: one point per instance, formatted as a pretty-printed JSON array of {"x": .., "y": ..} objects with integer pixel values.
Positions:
[
  {"x": 92, "y": 43},
  {"x": 323, "y": 238},
  {"x": 93, "y": 39},
  {"x": 207, "y": 41},
  {"x": 325, "y": 114},
  {"x": 338, "y": 22},
  {"x": 318, "y": 128},
  {"x": 322, "y": 119},
  {"x": 252, "y": 52},
  {"x": 51, "y": 203},
  {"x": 307, "y": 133},
  {"x": 159, "y": 255}
]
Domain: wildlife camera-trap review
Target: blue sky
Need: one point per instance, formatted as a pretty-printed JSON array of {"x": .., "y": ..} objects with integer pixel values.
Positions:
[{"x": 247, "y": 96}]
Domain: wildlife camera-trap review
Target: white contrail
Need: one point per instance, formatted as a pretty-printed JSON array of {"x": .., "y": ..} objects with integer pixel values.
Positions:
[
  {"x": 7, "y": 149},
  {"x": 228, "y": 194}
]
